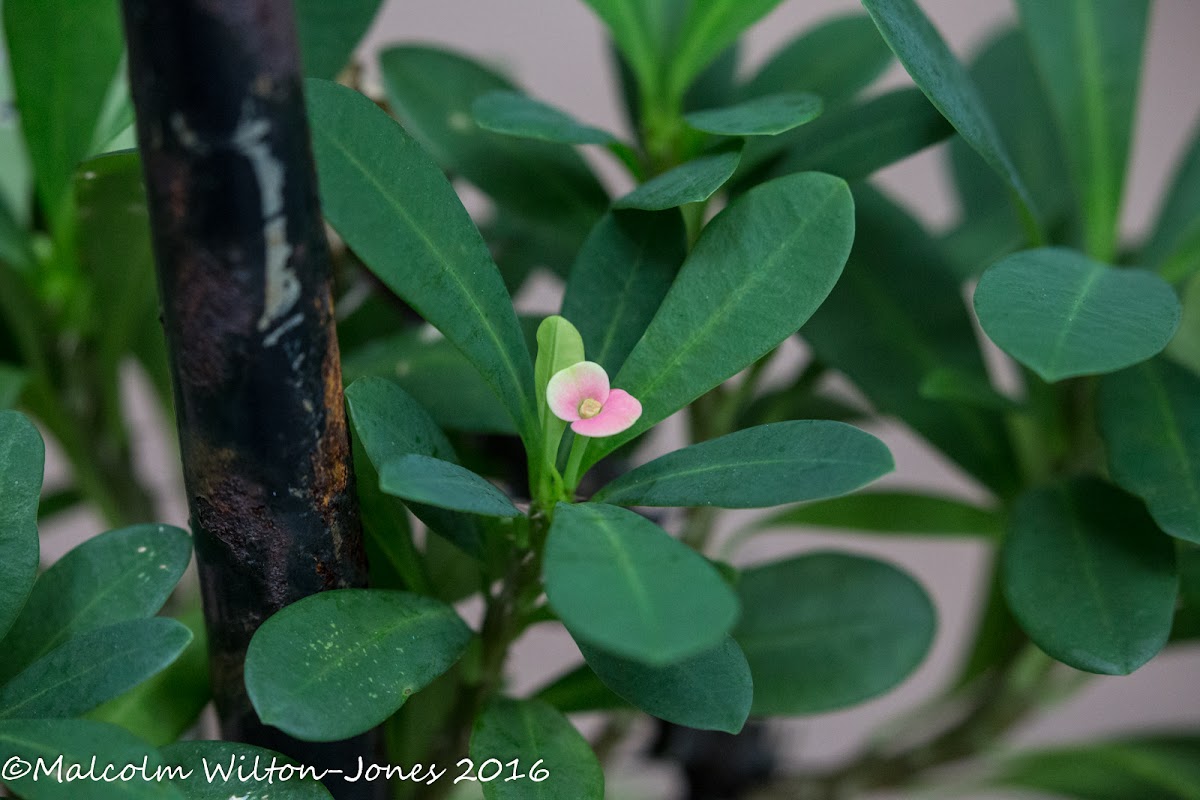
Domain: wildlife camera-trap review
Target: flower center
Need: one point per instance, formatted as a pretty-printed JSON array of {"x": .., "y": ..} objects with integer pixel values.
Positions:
[{"x": 589, "y": 408}]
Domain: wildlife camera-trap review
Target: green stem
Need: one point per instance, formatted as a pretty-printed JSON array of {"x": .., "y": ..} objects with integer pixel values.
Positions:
[{"x": 574, "y": 461}]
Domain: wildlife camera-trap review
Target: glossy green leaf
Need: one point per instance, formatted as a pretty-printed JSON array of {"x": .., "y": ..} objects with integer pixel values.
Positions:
[
  {"x": 709, "y": 28},
  {"x": 580, "y": 690},
  {"x": 834, "y": 60},
  {"x": 329, "y": 32},
  {"x": 78, "y": 741},
  {"x": 892, "y": 512},
  {"x": 22, "y": 456},
  {"x": 854, "y": 141},
  {"x": 434, "y": 482},
  {"x": 769, "y": 465},
  {"x": 619, "y": 582},
  {"x": 710, "y": 691},
  {"x": 945, "y": 81},
  {"x": 1150, "y": 419},
  {"x": 1089, "y": 55},
  {"x": 758, "y": 271},
  {"x": 1089, "y": 576},
  {"x": 547, "y": 185},
  {"x": 763, "y": 116},
  {"x": 165, "y": 707},
  {"x": 1179, "y": 215},
  {"x": 1083, "y": 318},
  {"x": 517, "y": 114},
  {"x": 64, "y": 54},
  {"x": 556, "y": 760},
  {"x": 620, "y": 278},
  {"x": 93, "y": 667},
  {"x": 338, "y": 663},
  {"x": 120, "y": 575},
  {"x": 1163, "y": 768},
  {"x": 828, "y": 630},
  {"x": 398, "y": 212},
  {"x": 391, "y": 424},
  {"x": 691, "y": 182},
  {"x": 214, "y": 767},
  {"x": 896, "y": 315}
]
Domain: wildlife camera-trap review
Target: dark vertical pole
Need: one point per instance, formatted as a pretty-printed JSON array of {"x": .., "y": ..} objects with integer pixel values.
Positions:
[{"x": 244, "y": 275}]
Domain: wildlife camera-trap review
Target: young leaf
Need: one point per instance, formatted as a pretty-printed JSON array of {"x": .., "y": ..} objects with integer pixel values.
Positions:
[
  {"x": 391, "y": 424},
  {"x": 620, "y": 278},
  {"x": 642, "y": 30},
  {"x": 64, "y": 54},
  {"x": 556, "y": 760},
  {"x": 769, "y": 465},
  {"x": 891, "y": 512},
  {"x": 763, "y": 116},
  {"x": 517, "y": 114},
  {"x": 93, "y": 667},
  {"x": 1089, "y": 576},
  {"x": 709, "y": 28},
  {"x": 329, "y": 32},
  {"x": 1089, "y": 55},
  {"x": 398, "y": 212},
  {"x": 221, "y": 760},
  {"x": 1179, "y": 215},
  {"x": 340, "y": 662},
  {"x": 559, "y": 345},
  {"x": 946, "y": 83},
  {"x": 434, "y": 482},
  {"x": 834, "y": 60},
  {"x": 545, "y": 184},
  {"x": 828, "y": 630},
  {"x": 744, "y": 288},
  {"x": 691, "y": 182},
  {"x": 22, "y": 456},
  {"x": 1150, "y": 419},
  {"x": 618, "y": 581},
  {"x": 1085, "y": 318},
  {"x": 711, "y": 691},
  {"x": 78, "y": 741},
  {"x": 120, "y": 575}
]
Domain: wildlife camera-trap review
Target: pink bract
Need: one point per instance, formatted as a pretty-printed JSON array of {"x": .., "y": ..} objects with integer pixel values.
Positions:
[
  {"x": 620, "y": 411},
  {"x": 568, "y": 388}
]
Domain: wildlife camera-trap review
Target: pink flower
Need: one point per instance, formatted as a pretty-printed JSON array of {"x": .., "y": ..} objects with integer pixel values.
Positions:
[{"x": 580, "y": 395}]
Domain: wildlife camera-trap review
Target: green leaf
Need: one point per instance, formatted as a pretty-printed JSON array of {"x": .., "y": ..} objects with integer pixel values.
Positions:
[
  {"x": 828, "y": 630},
  {"x": 1089, "y": 576},
  {"x": 1163, "y": 768},
  {"x": 434, "y": 482},
  {"x": 744, "y": 288},
  {"x": 329, "y": 33},
  {"x": 892, "y": 512},
  {"x": 543, "y": 741},
  {"x": 691, "y": 182},
  {"x": 854, "y": 141},
  {"x": 547, "y": 185},
  {"x": 946, "y": 383},
  {"x": 834, "y": 60},
  {"x": 221, "y": 760},
  {"x": 391, "y": 424},
  {"x": 559, "y": 345},
  {"x": 398, "y": 212},
  {"x": 22, "y": 456},
  {"x": 711, "y": 691},
  {"x": 338, "y": 663},
  {"x": 517, "y": 114},
  {"x": 768, "y": 465},
  {"x": 16, "y": 249},
  {"x": 1083, "y": 318},
  {"x": 78, "y": 741},
  {"x": 114, "y": 577},
  {"x": 15, "y": 176},
  {"x": 946, "y": 83},
  {"x": 642, "y": 30},
  {"x": 1089, "y": 55},
  {"x": 763, "y": 116},
  {"x": 709, "y": 28},
  {"x": 1185, "y": 347},
  {"x": 93, "y": 667},
  {"x": 620, "y": 278},
  {"x": 1180, "y": 212},
  {"x": 896, "y": 315},
  {"x": 1150, "y": 419},
  {"x": 581, "y": 690},
  {"x": 12, "y": 383},
  {"x": 163, "y": 708},
  {"x": 64, "y": 54},
  {"x": 619, "y": 582}
]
